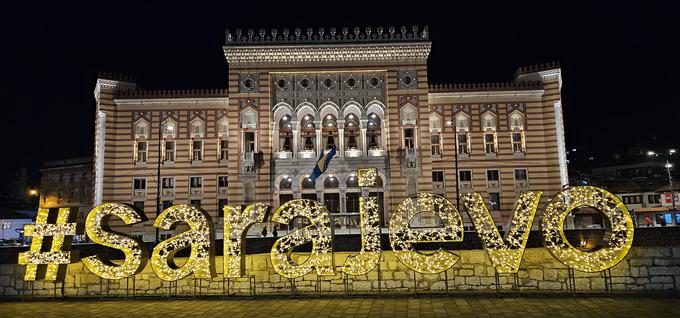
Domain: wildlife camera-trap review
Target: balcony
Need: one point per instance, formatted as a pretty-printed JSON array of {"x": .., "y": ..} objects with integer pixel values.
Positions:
[
  {"x": 376, "y": 152},
  {"x": 283, "y": 154},
  {"x": 352, "y": 153},
  {"x": 307, "y": 154}
]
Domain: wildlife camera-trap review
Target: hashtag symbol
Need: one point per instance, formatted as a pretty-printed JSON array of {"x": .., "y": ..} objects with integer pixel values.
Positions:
[{"x": 54, "y": 236}]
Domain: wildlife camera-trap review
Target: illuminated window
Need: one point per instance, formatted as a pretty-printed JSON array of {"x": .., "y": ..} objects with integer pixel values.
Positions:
[
  {"x": 222, "y": 128},
  {"x": 517, "y": 132},
  {"x": 408, "y": 115},
  {"x": 169, "y": 128},
  {"x": 462, "y": 131},
  {"x": 197, "y": 150},
  {"x": 141, "y": 151},
  {"x": 169, "y": 151},
  {"x": 249, "y": 119},
  {"x": 141, "y": 129},
  {"x": 197, "y": 128}
]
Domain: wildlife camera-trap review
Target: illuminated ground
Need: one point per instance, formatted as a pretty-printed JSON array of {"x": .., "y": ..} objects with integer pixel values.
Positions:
[{"x": 483, "y": 306}]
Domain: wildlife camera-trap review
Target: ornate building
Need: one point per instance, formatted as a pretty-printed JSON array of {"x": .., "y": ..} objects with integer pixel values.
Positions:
[{"x": 293, "y": 94}]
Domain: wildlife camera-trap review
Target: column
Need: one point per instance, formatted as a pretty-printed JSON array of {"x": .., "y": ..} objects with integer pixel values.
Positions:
[
  {"x": 341, "y": 138},
  {"x": 296, "y": 137}
]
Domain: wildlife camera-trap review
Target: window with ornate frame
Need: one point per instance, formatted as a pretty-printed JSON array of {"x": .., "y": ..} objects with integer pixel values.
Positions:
[
  {"x": 462, "y": 134},
  {"x": 489, "y": 127},
  {"x": 517, "y": 132}
]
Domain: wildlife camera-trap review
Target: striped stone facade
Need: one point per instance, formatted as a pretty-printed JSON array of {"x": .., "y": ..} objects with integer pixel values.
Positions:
[{"x": 247, "y": 117}]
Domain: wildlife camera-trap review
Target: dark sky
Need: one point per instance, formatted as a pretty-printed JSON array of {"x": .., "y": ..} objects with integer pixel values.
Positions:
[{"x": 619, "y": 60}]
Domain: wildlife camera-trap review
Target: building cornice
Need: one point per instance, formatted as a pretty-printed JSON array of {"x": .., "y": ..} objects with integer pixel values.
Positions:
[
  {"x": 110, "y": 84},
  {"x": 544, "y": 76},
  {"x": 165, "y": 103},
  {"x": 484, "y": 96},
  {"x": 387, "y": 53}
]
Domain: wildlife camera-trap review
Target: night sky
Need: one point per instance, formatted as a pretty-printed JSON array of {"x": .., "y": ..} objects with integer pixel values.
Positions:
[{"x": 619, "y": 61}]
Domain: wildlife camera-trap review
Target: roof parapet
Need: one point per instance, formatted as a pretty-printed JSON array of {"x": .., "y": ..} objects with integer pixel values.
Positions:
[{"x": 480, "y": 87}]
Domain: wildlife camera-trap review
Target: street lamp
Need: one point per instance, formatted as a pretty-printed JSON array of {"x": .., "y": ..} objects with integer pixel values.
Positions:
[{"x": 668, "y": 167}]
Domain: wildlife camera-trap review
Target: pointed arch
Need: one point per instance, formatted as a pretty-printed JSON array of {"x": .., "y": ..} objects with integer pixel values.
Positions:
[
  {"x": 141, "y": 129},
  {"x": 281, "y": 109},
  {"x": 408, "y": 114},
  {"x": 223, "y": 127},
  {"x": 249, "y": 118},
  {"x": 516, "y": 120},
  {"x": 351, "y": 107},
  {"x": 462, "y": 122},
  {"x": 169, "y": 128},
  {"x": 197, "y": 128},
  {"x": 328, "y": 108},
  {"x": 489, "y": 121},
  {"x": 435, "y": 122},
  {"x": 376, "y": 107}
]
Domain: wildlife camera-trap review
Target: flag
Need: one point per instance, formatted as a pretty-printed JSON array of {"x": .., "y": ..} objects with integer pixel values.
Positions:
[{"x": 322, "y": 164}]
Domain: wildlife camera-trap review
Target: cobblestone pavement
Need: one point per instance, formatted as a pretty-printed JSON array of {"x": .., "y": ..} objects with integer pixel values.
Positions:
[{"x": 483, "y": 306}]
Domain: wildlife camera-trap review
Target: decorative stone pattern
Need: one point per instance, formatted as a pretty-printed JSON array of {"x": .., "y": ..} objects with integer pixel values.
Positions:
[{"x": 644, "y": 269}]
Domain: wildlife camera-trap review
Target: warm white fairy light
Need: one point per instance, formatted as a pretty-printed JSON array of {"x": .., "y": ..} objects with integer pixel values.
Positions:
[
  {"x": 367, "y": 177},
  {"x": 98, "y": 231},
  {"x": 319, "y": 232},
  {"x": 199, "y": 237},
  {"x": 60, "y": 250},
  {"x": 619, "y": 237},
  {"x": 236, "y": 225},
  {"x": 369, "y": 256},
  {"x": 505, "y": 252},
  {"x": 402, "y": 236}
]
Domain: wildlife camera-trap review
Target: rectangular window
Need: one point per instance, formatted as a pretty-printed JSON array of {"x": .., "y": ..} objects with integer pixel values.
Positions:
[
  {"x": 462, "y": 141},
  {"x": 224, "y": 149},
  {"x": 139, "y": 183},
  {"x": 221, "y": 203},
  {"x": 167, "y": 204},
  {"x": 283, "y": 198},
  {"x": 521, "y": 174},
  {"x": 654, "y": 198},
  {"x": 197, "y": 147},
  {"x": 196, "y": 182},
  {"x": 352, "y": 202},
  {"x": 222, "y": 181},
  {"x": 408, "y": 138},
  {"x": 249, "y": 141},
  {"x": 436, "y": 145},
  {"x": 465, "y": 176},
  {"x": 492, "y": 175},
  {"x": 168, "y": 183},
  {"x": 139, "y": 205},
  {"x": 489, "y": 143},
  {"x": 332, "y": 202},
  {"x": 437, "y": 176},
  {"x": 494, "y": 201},
  {"x": 517, "y": 142},
  {"x": 195, "y": 202},
  {"x": 141, "y": 151},
  {"x": 169, "y": 154}
]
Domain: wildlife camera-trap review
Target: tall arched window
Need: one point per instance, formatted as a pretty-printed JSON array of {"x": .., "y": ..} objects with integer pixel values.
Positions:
[
  {"x": 463, "y": 134},
  {"x": 435, "y": 134},
  {"x": 489, "y": 125},
  {"x": 285, "y": 134},
  {"x": 169, "y": 128},
  {"x": 169, "y": 131},
  {"x": 352, "y": 132},
  {"x": 222, "y": 139},
  {"x": 517, "y": 132},
  {"x": 249, "y": 119},
  {"x": 329, "y": 131},
  {"x": 141, "y": 129},
  {"x": 408, "y": 115},
  {"x": 374, "y": 132},
  {"x": 308, "y": 133},
  {"x": 196, "y": 132},
  {"x": 140, "y": 147}
]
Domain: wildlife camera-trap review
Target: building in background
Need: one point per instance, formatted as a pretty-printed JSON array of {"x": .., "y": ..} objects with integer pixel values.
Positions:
[
  {"x": 293, "y": 95},
  {"x": 67, "y": 183}
]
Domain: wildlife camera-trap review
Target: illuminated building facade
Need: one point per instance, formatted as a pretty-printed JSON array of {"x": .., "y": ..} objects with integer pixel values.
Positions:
[{"x": 295, "y": 93}]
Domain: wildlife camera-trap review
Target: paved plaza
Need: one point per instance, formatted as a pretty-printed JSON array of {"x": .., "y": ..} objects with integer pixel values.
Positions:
[{"x": 482, "y": 306}]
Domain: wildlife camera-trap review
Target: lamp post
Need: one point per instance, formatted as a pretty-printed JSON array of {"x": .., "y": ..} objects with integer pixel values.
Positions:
[{"x": 668, "y": 167}]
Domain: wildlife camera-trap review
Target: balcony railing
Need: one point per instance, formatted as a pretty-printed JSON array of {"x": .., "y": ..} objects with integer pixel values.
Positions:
[
  {"x": 352, "y": 153},
  {"x": 376, "y": 152},
  {"x": 307, "y": 154},
  {"x": 283, "y": 154}
]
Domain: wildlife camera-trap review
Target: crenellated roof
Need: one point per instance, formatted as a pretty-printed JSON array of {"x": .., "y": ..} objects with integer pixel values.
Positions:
[{"x": 323, "y": 36}]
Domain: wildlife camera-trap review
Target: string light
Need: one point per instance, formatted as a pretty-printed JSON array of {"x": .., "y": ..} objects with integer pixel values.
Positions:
[
  {"x": 319, "y": 232},
  {"x": 369, "y": 223},
  {"x": 199, "y": 237},
  {"x": 402, "y": 236},
  {"x": 367, "y": 177},
  {"x": 235, "y": 229},
  {"x": 505, "y": 252},
  {"x": 618, "y": 239},
  {"x": 135, "y": 253}
]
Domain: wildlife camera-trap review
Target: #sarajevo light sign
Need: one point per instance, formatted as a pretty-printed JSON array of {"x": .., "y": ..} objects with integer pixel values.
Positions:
[{"x": 505, "y": 252}]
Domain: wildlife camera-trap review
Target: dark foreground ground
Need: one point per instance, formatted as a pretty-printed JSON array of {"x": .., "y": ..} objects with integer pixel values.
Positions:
[{"x": 482, "y": 306}]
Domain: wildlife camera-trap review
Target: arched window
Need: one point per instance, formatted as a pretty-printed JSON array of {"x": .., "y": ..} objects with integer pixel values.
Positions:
[
  {"x": 374, "y": 132},
  {"x": 516, "y": 121},
  {"x": 197, "y": 128},
  {"x": 352, "y": 132},
  {"x": 330, "y": 131},
  {"x": 285, "y": 134},
  {"x": 222, "y": 128},
  {"x": 169, "y": 128},
  {"x": 286, "y": 183},
  {"x": 331, "y": 182},
  {"x": 352, "y": 181},
  {"x": 249, "y": 119},
  {"x": 308, "y": 133},
  {"x": 488, "y": 122},
  {"x": 435, "y": 123},
  {"x": 408, "y": 115},
  {"x": 517, "y": 132},
  {"x": 308, "y": 183},
  {"x": 462, "y": 122},
  {"x": 141, "y": 129}
]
